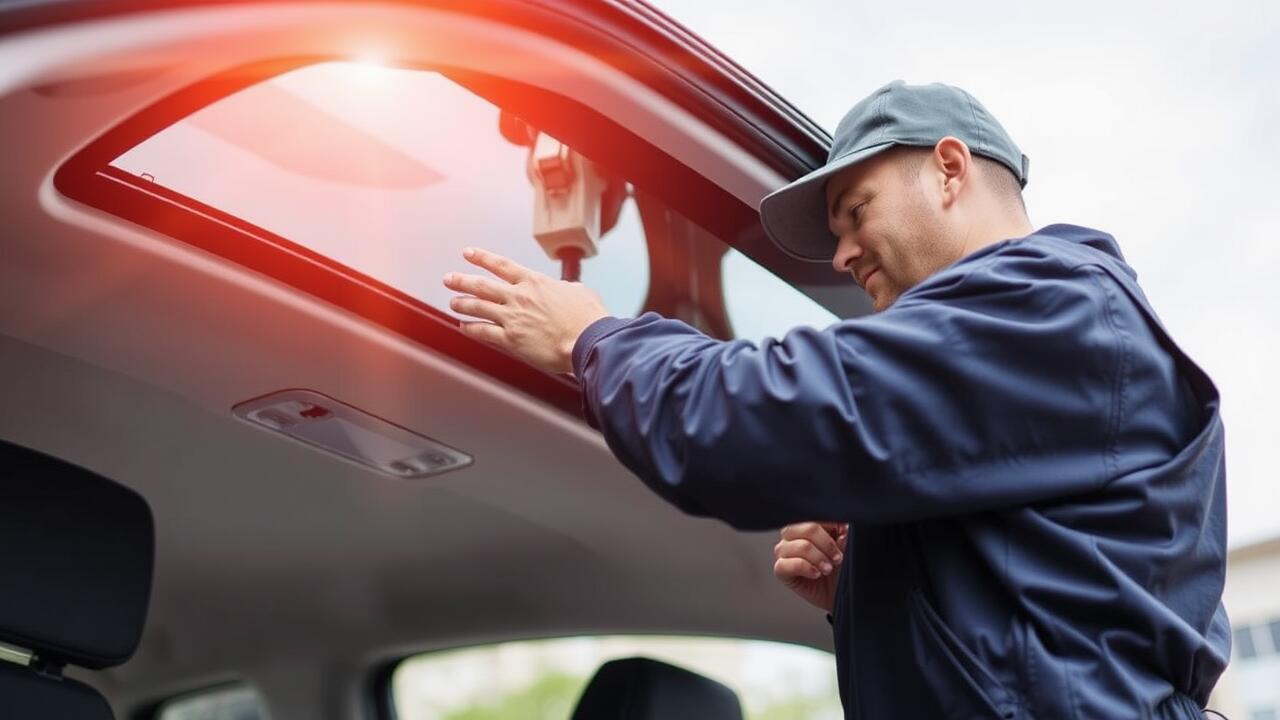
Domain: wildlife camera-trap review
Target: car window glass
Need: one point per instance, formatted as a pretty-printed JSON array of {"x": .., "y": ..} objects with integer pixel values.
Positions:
[
  {"x": 238, "y": 702},
  {"x": 542, "y": 679},
  {"x": 391, "y": 172}
]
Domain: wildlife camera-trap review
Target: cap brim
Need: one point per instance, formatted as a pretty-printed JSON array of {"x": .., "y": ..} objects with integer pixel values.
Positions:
[{"x": 795, "y": 216}]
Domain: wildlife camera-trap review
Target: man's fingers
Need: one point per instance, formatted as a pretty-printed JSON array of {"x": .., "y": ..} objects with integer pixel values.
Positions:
[
  {"x": 503, "y": 267},
  {"x": 834, "y": 528},
  {"x": 792, "y": 570},
  {"x": 476, "y": 307},
  {"x": 798, "y": 530},
  {"x": 807, "y": 551},
  {"x": 486, "y": 331},
  {"x": 481, "y": 287},
  {"x": 816, "y": 534}
]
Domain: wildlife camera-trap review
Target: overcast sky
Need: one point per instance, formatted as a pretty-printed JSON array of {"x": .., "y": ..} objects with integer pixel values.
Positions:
[{"x": 1154, "y": 122}]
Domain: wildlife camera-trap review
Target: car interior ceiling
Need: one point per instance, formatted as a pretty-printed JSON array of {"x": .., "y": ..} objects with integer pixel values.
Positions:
[{"x": 274, "y": 564}]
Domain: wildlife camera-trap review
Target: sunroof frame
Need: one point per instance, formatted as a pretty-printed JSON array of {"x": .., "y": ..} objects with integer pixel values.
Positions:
[{"x": 88, "y": 177}]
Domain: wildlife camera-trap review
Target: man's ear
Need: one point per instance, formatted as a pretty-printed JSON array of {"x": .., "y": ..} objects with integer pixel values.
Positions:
[{"x": 953, "y": 163}]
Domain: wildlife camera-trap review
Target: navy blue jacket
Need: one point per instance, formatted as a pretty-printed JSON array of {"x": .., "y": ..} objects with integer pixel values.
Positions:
[{"x": 1033, "y": 474}]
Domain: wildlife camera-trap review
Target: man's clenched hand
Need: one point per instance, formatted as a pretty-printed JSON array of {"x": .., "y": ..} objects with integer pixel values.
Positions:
[
  {"x": 808, "y": 559},
  {"x": 530, "y": 315}
]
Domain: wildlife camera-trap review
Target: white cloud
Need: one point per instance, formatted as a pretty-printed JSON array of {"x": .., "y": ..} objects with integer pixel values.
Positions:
[{"x": 1155, "y": 123}]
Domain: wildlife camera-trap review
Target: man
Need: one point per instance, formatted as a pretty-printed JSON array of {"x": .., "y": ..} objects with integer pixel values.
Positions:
[{"x": 1017, "y": 475}]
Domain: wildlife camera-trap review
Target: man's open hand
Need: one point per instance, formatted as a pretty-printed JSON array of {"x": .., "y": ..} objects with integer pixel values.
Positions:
[
  {"x": 808, "y": 559},
  {"x": 530, "y": 315}
]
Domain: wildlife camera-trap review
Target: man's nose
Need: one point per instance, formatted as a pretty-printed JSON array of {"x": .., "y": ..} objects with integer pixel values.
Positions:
[{"x": 846, "y": 252}]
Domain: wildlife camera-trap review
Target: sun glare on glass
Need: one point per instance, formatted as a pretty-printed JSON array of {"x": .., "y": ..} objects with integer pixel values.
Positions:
[{"x": 368, "y": 68}]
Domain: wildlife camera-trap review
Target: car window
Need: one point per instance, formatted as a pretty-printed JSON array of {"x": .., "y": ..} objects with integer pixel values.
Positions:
[
  {"x": 392, "y": 171},
  {"x": 542, "y": 679},
  {"x": 231, "y": 702}
]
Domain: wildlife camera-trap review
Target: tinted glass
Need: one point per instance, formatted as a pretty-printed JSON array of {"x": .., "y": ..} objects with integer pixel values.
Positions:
[{"x": 392, "y": 172}]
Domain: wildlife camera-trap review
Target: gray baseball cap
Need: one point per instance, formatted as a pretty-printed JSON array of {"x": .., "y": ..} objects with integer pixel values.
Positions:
[{"x": 795, "y": 216}]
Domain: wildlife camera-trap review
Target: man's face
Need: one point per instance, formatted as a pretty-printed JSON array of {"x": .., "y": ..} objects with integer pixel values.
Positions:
[{"x": 889, "y": 222}]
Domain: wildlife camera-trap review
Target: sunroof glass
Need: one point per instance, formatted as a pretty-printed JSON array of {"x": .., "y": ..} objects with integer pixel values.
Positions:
[{"x": 392, "y": 172}]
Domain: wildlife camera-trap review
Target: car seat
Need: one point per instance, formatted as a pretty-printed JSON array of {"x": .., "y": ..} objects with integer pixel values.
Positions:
[
  {"x": 76, "y": 557},
  {"x": 643, "y": 689}
]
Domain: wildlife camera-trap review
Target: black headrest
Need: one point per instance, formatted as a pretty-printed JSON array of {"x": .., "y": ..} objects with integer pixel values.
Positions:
[
  {"x": 24, "y": 695},
  {"x": 643, "y": 689},
  {"x": 75, "y": 569}
]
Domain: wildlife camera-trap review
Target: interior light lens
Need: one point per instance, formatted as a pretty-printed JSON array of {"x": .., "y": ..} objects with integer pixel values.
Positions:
[{"x": 350, "y": 433}]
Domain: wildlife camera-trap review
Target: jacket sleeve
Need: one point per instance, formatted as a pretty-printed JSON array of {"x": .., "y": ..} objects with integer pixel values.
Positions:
[{"x": 996, "y": 386}]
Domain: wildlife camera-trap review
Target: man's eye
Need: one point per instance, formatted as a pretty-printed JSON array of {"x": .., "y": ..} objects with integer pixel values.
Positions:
[{"x": 856, "y": 211}]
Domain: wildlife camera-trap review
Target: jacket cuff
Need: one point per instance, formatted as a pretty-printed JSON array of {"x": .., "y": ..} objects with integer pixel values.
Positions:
[{"x": 587, "y": 340}]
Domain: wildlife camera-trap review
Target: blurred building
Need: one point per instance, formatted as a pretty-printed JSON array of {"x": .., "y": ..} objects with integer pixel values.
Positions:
[{"x": 1250, "y": 689}]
